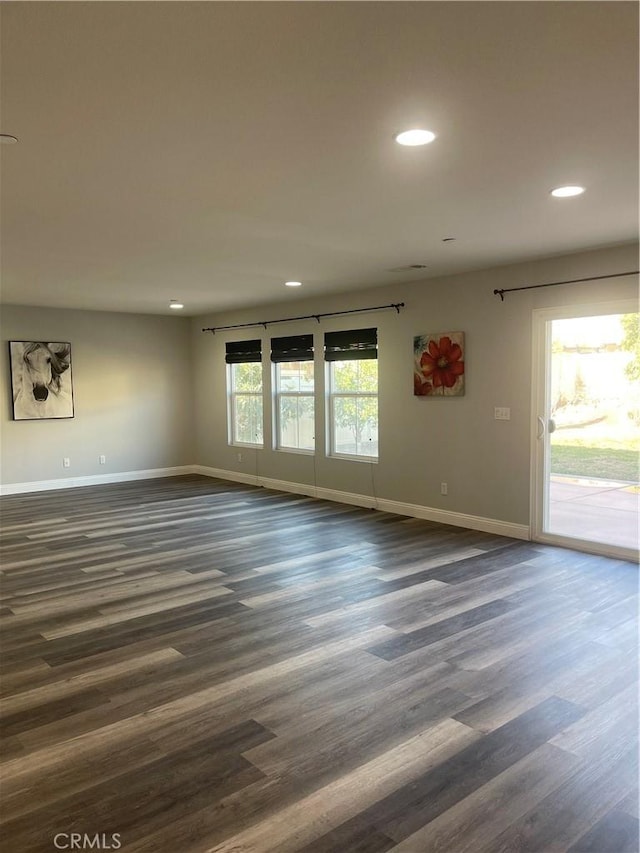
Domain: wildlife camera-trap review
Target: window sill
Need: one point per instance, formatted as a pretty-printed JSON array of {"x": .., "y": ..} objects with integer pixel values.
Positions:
[{"x": 350, "y": 458}]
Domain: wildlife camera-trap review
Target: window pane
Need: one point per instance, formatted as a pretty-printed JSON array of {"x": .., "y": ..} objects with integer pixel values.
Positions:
[
  {"x": 345, "y": 425},
  {"x": 306, "y": 376},
  {"x": 288, "y": 415},
  {"x": 367, "y": 419},
  {"x": 344, "y": 376},
  {"x": 306, "y": 423},
  {"x": 247, "y": 377},
  {"x": 289, "y": 376},
  {"x": 368, "y": 376},
  {"x": 247, "y": 419},
  {"x": 358, "y": 376},
  {"x": 295, "y": 376},
  {"x": 355, "y": 420},
  {"x": 297, "y": 422}
]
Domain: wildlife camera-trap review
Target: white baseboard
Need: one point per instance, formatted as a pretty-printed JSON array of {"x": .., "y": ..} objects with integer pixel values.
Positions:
[
  {"x": 94, "y": 480},
  {"x": 458, "y": 519},
  {"x": 441, "y": 516}
]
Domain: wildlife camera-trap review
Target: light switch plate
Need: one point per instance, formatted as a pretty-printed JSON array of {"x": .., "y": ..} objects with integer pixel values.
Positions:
[{"x": 502, "y": 413}]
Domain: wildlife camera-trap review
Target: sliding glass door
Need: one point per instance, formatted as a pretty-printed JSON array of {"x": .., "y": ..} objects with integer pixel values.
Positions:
[{"x": 586, "y": 406}]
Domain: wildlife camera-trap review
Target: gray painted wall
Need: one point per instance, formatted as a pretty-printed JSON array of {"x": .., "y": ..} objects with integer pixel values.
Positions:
[
  {"x": 423, "y": 441},
  {"x": 132, "y": 392},
  {"x": 150, "y": 392}
]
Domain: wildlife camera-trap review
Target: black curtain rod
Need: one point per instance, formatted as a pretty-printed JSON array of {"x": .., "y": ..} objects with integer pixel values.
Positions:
[
  {"x": 504, "y": 290},
  {"x": 265, "y": 323}
]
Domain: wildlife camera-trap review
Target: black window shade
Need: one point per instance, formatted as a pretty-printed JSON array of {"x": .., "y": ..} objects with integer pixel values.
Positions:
[
  {"x": 241, "y": 352},
  {"x": 351, "y": 345},
  {"x": 292, "y": 348}
]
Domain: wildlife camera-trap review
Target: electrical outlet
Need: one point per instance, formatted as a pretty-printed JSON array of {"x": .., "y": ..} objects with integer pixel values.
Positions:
[
  {"x": 66, "y": 462},
  {"x": 444, "y": 489},
  {"x": 502, "y": 413},
  {"x": 102, "y": 459},
  {"x": 239, "y": 455}
]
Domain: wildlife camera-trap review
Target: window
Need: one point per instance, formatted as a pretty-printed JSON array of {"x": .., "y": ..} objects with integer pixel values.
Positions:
[
  {"x": 244, "y": 390},
  {"x": 294, "y": 392},
  {"x": 353, "y": 392}
]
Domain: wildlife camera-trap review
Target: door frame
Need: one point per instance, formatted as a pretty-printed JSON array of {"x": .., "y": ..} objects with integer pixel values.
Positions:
[{"x": 540, "y": 389}]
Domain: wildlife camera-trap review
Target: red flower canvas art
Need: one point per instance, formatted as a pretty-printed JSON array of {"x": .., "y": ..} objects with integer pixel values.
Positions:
[{"x": 438, "y": 369}]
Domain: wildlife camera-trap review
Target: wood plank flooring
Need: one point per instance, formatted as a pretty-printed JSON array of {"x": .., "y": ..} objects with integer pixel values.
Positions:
[{"x": 195, "y": 665}]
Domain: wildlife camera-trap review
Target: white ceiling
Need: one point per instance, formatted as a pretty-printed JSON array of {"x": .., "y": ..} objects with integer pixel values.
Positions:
[{"x": 207, "y": 152}]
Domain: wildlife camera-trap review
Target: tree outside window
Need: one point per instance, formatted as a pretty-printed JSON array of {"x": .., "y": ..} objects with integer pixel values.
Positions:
[
  {"x": 246, "y": 403},
  {"x": 354, "y": 407}
]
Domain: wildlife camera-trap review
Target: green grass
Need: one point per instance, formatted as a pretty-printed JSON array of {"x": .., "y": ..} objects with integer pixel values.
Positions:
[{"x": 606, "y": 463}]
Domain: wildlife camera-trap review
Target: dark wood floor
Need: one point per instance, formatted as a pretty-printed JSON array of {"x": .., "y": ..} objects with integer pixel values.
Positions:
[{"x": 200, "y": 665}]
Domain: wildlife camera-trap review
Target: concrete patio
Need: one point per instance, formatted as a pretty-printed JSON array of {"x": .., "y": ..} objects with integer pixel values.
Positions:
[{"x": 596, "y": 510}]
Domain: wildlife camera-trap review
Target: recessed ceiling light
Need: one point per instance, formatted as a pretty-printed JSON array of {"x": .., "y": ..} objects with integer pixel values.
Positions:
[
  {"x": 7, "y": 139},
  {"x": 415, "y": 137},
  {"x": 567, "y": 192},
  {"x": 176, "y": 306},
  {"x": 293, "y": 284}
]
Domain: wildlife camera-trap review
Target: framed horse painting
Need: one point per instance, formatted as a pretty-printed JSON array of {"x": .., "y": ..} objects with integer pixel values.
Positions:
[{"x": 41, "y": 382}]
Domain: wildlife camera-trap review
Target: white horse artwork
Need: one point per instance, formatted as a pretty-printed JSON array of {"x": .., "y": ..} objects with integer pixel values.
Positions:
[{"x": 41, "y": 380}]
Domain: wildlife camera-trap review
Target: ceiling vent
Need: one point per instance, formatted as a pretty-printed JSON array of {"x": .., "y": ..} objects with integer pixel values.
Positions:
[{"x": 409, "y": 268}]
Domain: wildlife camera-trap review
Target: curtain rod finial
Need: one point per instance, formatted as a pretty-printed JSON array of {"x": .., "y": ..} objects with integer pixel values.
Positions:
[{"x": 499, "y": 293}]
